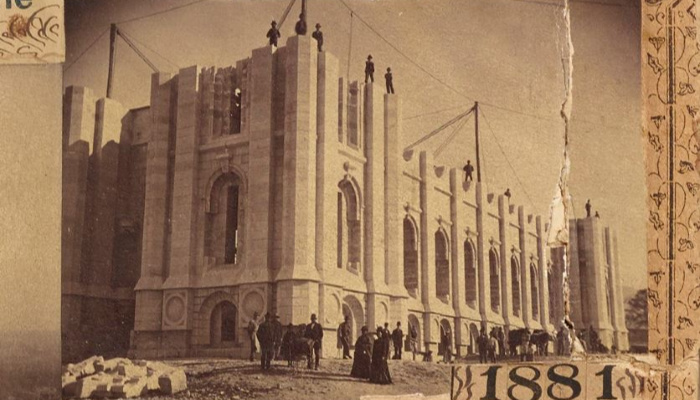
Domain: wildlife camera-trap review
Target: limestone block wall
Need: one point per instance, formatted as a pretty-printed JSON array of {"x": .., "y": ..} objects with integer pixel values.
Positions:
[
  {"x": 101, "y": 225},
  {"x": 594, "y": 282}
]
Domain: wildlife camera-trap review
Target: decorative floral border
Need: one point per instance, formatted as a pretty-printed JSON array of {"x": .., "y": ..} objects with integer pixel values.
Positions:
[{"x": 670, "y": 79}]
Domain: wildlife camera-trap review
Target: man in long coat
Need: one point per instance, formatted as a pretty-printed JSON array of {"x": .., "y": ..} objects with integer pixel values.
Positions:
[
  {"x": 483, "y": 342},
  {"x": 397, "y": 338},
  {"x": 314, "y": 331},
  {"x": 266, "y": 337}
]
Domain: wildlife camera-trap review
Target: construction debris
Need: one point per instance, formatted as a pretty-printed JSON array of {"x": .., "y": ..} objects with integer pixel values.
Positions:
[{"x": 98, "y": 378}]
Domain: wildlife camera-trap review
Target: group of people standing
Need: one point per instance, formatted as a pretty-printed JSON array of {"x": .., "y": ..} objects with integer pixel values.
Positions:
[
  {"x": 491, "y": 345},
  {"x": 395, "y": 337},
  {"x": 273, "y": 35},
  {"x": 268, "y": 335},
  {"x": 372, "y": 354}
]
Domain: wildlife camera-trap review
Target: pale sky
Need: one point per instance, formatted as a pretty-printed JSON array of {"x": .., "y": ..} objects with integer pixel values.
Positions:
[{"x": 504, "y": 53}]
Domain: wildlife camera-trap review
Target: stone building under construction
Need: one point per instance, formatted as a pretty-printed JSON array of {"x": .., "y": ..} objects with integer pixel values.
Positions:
[{"x": 183, "y": 218}]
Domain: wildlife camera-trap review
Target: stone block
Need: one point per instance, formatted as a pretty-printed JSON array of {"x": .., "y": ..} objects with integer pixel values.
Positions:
[
  {"x": 88, "y": 386},
  {"x": 103, "y": 390},
  {"x": 111, "y": 364},
  {"x": 69, "y": 384},
  {"x": 131, "y": 370},
  {"x": 132, "y": 388},
  {"x": 83, "y": 368},
  {"x": 172, "y": 382}
]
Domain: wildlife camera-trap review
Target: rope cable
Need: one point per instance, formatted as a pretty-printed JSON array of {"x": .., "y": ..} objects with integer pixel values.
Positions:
[
  {"x": 454, "y": 133},
  {"x": 495, "y": 138},
  {"x": 161, "y": 12},
  {"x": 439, "y": 129},
  {"x": 85, "y": 51},
  {"x": 131, "y": 37}
]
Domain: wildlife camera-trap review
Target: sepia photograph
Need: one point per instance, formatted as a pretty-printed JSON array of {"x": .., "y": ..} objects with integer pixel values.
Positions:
[
  {"x": 346, "y": 198},
  {"x": 349, "y": 199}
]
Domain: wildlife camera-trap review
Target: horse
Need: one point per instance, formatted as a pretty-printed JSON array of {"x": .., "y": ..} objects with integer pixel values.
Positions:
[
  {"x": 515, "y": 339},
  {"x": 540, "y": 339},
  {"x": 296, "y": 348}
]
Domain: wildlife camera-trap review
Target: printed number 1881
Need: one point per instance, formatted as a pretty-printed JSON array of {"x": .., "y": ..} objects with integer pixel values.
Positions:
[{"x": 560, "y": 376}]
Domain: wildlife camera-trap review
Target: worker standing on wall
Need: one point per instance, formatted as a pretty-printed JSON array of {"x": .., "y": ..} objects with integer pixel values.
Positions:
[
  {"x": 369, "y": 69},
  {"x": 318, "y": 35},
  {"x": 389, "y": 81},
  {"x": 273, "y": 34}
]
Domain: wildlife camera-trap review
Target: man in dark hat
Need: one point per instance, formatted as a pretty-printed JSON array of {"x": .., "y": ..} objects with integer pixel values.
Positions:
[
  {"x": 369, "y": 69},
  {"x": 314, "y": 331},
  {"x": 389, "y": 81},
  {"x": 266, "y": 337},
  {"x": 483, "y": 343},
  {"x": 344, "y": 337},
  {"x": 273, "y": 34},
  {"x": 300, "y": 27},
  {"x": 318, "y": 35},
  {"x": 397, "y": 338}
]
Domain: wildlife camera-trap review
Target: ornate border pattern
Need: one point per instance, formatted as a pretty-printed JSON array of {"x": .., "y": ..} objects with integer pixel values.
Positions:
[{"x": 670, "y": 81}]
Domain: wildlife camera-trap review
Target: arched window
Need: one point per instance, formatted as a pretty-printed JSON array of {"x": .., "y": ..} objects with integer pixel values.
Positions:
[
  {"x": 349, "y": 232},
  {"x": 470, "y": 273},
  {"x": 223, "y": 220},
  {"x": 442, "y": 265},
  {"x": 515, "y": 278},
  {"x": 494, "y": 279},
  {"x": 410, "y": 255},
  {"x": 534, "y": 288}
]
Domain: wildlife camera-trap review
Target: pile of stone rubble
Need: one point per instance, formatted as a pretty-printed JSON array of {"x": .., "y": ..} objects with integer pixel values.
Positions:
[{"x": 98, "y": 378}]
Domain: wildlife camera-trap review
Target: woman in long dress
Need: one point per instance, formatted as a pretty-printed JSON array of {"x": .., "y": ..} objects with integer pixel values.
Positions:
[
  {"x": 363, "y": 356},
  {"x": 380, "y": 354}
]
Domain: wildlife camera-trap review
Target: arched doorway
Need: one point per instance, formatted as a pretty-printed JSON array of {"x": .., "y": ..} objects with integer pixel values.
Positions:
[
  {"x": 446, "y": 333},
  {"x": 413, "y": 321},
  {"x": 222, "y": 325},
  {"x": 347, "y": 312},
  {"x": 473, "y": 338},
  {"x": 353, "y": 307}
]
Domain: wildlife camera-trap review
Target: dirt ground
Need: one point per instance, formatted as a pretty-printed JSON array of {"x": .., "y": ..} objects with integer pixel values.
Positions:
[{"x": 239, "y": 379}]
